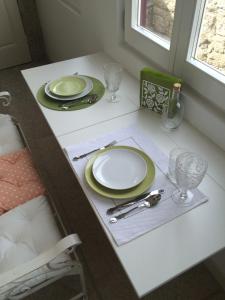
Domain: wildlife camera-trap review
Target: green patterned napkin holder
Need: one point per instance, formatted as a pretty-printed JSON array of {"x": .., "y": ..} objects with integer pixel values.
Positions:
[{"x": 155, "y": 88}]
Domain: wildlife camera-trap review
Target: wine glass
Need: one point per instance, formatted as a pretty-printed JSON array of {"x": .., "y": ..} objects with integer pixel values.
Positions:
[
  {"x": 190, "y": 170},
  {"x": 113, "y": 76},
  {"x": 174, "y": 153}
]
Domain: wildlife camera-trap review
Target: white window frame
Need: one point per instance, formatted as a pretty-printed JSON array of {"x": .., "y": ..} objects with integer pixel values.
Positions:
[
  {"x": 148, "y": 44},
  {"x": 176, "y": 59}
]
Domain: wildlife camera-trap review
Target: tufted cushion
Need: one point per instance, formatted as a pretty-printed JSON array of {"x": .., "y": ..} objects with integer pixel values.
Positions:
[
  {"x": 25, "y": 232},
  {"x": 19, "y": 181}
]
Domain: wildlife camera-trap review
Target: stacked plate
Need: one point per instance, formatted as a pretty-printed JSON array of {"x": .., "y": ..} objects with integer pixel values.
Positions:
[
  {"x": 69, "y": 87},
  {"x": 120, "y": 172}
]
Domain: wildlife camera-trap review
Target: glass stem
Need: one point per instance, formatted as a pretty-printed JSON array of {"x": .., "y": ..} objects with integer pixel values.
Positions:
[
  {"x": 183, "y": 194},
  {"x": 113, "y": 96}
]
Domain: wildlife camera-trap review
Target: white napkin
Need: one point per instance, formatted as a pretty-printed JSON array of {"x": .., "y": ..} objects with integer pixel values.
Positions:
[{"x": 143, "y": 220}]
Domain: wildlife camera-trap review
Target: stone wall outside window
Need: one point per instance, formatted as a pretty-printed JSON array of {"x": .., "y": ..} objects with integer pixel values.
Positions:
[{"x": 211, "y": 49}]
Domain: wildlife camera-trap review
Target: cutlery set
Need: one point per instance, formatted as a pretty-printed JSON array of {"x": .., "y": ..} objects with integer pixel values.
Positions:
[
  {"x": 148, "y": 203},
  {"x": 147, "y": 200},
  {"x": 138, "y": 199}
]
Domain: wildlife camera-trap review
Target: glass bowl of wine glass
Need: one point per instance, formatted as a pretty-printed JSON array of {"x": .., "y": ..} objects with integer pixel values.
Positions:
[{"x": 189, "y": 171}]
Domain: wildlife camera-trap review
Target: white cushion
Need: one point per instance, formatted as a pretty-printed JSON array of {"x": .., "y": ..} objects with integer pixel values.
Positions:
[{"x": 25, "y": 232}]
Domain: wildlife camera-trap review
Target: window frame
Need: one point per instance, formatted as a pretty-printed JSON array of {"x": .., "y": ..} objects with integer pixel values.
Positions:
[
  {"x": 143, "y": 41},
  {"x": 177, "y": 59}
]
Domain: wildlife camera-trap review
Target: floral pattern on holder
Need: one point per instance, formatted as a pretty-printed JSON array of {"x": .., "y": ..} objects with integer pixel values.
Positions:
[{"x": 154, "y": 96}]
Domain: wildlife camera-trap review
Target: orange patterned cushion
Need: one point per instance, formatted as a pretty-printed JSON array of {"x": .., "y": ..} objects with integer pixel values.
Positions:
[{"x": 19, "y": 181}]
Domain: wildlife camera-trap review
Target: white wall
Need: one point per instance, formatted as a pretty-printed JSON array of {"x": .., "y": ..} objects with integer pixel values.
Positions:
[
  {"x": 98, "y": 25},
  {"x": 69, "y": 28}
]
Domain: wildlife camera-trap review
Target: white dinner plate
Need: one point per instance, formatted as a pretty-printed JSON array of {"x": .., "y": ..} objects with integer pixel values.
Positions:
[
  {"x": 88, "y": 88},
  {"x": 119, "y": 169}
]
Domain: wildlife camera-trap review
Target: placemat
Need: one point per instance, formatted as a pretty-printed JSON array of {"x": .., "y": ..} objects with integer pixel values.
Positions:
[
  {"x": 142, "y": 221},
  {"x": 98, "y": 89}
]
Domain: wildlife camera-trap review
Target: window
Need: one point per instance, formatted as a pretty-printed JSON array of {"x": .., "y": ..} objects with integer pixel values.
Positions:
[
  {"x": 157, "y": 20},
  {"x": 186, "y": 38},
  {"x": 210, "y": 38}
]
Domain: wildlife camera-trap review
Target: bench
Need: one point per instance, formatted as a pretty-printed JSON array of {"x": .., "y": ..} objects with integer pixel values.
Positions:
[{"x": 33, "y": 251}]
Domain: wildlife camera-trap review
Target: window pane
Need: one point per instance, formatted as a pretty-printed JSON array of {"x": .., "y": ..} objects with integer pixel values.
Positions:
[
  {"x": 211, "y": 41},
  {"x": 157, "y": 16}
]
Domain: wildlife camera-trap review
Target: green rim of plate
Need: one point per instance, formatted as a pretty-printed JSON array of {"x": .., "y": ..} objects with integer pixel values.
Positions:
[
  {"x": 67, "y": 86},
  {"x": 118, "y": 194},
  {"x": 98, "y": 89}
]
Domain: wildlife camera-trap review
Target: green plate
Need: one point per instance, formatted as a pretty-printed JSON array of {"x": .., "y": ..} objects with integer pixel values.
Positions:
[
  {"x": 67, "y": 86},
  {"x": 81, "y": 103},
  {"x": 118, "y": 194}
]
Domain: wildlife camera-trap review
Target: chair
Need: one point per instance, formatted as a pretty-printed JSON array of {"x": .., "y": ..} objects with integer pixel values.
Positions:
[{"x": 33, "y": 252}]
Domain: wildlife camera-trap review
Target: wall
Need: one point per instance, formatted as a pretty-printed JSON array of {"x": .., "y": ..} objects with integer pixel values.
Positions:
[
  {"x": 70, "y": 28},
  {"x": 160, "y": 16},
  {"x": 212, "y": 41}
]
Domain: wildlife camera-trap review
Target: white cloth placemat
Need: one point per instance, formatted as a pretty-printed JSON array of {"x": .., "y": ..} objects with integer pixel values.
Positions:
[{"x": 141, "y": 221}]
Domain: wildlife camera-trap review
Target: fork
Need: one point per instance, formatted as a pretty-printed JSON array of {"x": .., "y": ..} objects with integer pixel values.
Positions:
[{"x": 92, "y": 151}]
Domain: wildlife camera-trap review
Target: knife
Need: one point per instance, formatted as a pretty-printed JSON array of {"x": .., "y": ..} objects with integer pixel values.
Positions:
[
  {"x": 94, "y": 150},
  {"x": 129, "y": 203},
  {"x": 150, "y": 202}
]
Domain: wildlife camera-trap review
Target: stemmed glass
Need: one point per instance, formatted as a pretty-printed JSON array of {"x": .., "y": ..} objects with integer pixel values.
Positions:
[
  {"x": 174, "y": 153},
  {"x": 113, "y": 77},
  {"x": 190, "y": 170}
]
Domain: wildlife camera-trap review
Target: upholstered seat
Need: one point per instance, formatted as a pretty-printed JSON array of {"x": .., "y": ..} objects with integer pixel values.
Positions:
[
  {"x": 33, "y": 252},
  {"x": 25, "y": 232}
]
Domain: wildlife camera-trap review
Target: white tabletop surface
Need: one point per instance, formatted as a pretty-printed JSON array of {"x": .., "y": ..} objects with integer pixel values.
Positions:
[
  {"x": 63, "y": 122},
  {"x": 169, "y": 250}
]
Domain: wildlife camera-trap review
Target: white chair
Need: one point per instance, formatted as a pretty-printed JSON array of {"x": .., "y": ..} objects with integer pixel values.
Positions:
[{"x": 33, "y": 252}]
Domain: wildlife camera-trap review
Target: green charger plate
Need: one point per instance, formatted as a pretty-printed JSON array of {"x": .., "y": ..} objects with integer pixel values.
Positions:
[
  {"x": 81, "y": 103},
  {"x": 118, "y": 194},
  {"x": 67, "y": 86}
]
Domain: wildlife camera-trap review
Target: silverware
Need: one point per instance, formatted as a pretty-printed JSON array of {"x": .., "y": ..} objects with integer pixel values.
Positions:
[
  {"x": 90, "y": 100},
  {"x": 136, "y": 200},
  {"x": 152, "y": 201},
  {"x": 92, "y": 151}
]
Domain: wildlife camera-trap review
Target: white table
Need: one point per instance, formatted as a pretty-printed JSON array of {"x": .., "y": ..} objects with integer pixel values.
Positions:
[{"x": 169, "y": 250}]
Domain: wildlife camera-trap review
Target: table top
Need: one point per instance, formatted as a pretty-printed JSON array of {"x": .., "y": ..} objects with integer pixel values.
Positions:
[
  {"x": 161, "y": 254},
  {"x": 63, "y": 122}
]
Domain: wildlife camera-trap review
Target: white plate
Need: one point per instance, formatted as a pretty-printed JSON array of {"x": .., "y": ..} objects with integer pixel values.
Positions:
[
  {"x": 119, "y": 169},
  {"x": 88, "y": 88}
]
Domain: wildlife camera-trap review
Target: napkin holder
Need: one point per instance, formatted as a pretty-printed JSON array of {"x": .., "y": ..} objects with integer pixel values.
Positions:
[{"x": 155, "y": 88}]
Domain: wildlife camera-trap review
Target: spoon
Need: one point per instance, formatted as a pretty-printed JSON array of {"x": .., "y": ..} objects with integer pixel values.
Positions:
[{"x": 152, "y": 201}]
